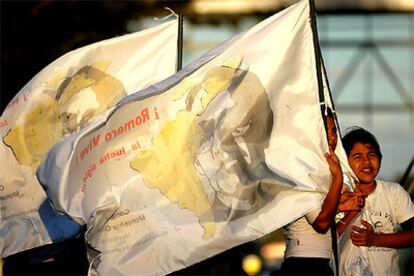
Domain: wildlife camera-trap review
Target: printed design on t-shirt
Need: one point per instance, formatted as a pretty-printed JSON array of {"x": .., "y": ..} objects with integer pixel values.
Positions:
[{"x": 381, "y": 222}]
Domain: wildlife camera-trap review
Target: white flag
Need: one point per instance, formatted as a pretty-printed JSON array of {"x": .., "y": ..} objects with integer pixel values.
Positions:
[
  {"x": 63, "y": 98},
  {"x": 223, "y": 152}
]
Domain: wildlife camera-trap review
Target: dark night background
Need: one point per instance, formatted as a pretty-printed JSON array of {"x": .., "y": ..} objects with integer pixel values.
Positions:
[{"x": 35, "y": 33}]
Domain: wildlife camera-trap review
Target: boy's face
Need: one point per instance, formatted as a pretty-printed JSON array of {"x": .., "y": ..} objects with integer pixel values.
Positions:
[
  {"x": 332, "y": 135},
  {"x": 365, "y": 163}
]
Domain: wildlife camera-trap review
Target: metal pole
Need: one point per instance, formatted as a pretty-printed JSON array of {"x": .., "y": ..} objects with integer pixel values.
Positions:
[
  {"x": 317, "y": 50},
  {"x": 180, "y": 42},
  {"x": 406, "y": 175},
  {"x": 319, "y": 65}
]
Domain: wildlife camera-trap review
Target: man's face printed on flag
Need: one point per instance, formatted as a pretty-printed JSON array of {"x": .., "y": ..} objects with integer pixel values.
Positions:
[
  {"x": 86, "y": 94},
  {"x": 210, "y": 157},
  {"x": 73, "y": 105},
  {"x": 238, "y": 137}
]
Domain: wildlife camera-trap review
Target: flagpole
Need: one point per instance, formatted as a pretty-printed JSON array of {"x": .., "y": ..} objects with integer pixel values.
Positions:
[
  {"x": 317, "y": 50},
  {"x": 180, "y": 42},
  {"x": 319, "y": 64},
  {"x": 407, "y": 174}
]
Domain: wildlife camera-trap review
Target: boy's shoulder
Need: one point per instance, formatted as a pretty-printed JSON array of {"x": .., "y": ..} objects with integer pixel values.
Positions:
[
  {"x": 391, "y": 188},
  {"x": 399, "y": 200},
  {"x": 391, "y": 185}
]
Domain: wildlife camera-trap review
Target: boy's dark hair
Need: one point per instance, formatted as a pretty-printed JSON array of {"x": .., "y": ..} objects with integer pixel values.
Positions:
[
  {"x": 327, "y": 112},
  {"x": 359, "y": 135}
]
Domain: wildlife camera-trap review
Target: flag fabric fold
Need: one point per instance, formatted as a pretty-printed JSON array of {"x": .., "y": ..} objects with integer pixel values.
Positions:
[
  {"x": 223, "y": 152},
  {"x": 60, "y": 100}
]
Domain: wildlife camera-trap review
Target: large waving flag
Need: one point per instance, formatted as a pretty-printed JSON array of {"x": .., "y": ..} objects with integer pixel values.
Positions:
[
  {"x": 63, "y": 98},
  {"x": 225, "y": 151}
]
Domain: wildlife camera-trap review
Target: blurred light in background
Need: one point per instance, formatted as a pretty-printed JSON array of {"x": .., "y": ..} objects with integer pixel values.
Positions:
[
  {"x": 273, "y": 253},
  {"x": 252, "y": 264}
]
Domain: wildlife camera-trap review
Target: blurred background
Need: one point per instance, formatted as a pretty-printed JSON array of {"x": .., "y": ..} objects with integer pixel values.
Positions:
[{"x": 367, "y": 46}]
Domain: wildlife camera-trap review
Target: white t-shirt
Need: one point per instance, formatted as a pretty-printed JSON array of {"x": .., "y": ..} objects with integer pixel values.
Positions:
[
  {"x": 303, "y": 241},
  {"x": 387, "y": 207}
]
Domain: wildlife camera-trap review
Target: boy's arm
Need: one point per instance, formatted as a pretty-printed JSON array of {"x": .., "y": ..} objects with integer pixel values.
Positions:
[
  {"x": 326, "y": 216},
  {"x": 351, "y": 201},
  {"x": 367, "y": 237}
]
